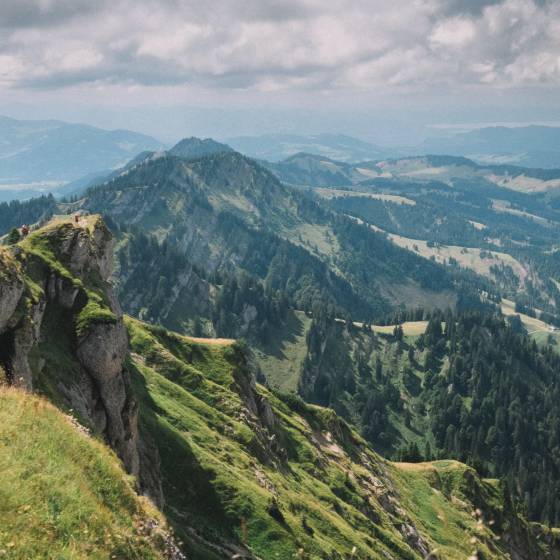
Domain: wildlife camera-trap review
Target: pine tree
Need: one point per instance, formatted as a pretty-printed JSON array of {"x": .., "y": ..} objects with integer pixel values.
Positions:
[{"x": 14, "y": 236}]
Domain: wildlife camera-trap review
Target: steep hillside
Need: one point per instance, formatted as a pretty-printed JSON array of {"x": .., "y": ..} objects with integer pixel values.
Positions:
[
  {"x": 265, "y": 476},
  {"x": 466, "y": 390},
  {"x": 63, "y": 494},
  {"x": 225, "y": 214},
  {"x": 239, "y": 471}
]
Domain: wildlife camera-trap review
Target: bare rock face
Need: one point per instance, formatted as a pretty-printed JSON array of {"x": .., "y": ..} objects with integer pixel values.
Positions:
[
  {"x": 103, "y": 349},
  {"x": 103, "y": 245},
  {"x": 102, "y": 352},
  {"x": 11, "y": 290},
  {"x": 25, "y": 338},
  {"x": 61, "y": 290},
  {"x": 85, "y": 250}
]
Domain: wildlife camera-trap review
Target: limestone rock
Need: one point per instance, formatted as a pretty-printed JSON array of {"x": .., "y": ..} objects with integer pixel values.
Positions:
[
  {"x": 102, "y": 351},
  {"x": 25, "y": 338},
  {"x": 11, "y": 291}
]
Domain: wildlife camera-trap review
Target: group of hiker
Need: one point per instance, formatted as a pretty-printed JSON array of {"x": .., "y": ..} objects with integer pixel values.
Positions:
[{"x": 25, "y": 229}]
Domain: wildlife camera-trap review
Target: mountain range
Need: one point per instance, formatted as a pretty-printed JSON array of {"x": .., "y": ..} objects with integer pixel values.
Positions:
[
  {"x": 528, "y": 146},
  {"x": 39, "y": 156},
  {"x": 523, "y": 146},
  {"x": 275, "y": 147},
  {"x": 231, "y": 468},
  {"x": 403, "y": 309},
  {"x": 313, "y": 170}
]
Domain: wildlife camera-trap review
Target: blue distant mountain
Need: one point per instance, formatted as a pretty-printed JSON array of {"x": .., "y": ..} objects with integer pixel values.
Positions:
[
  {"x": 277, "y": 147},
  {"x": 528, "y": 146},
  {"x": 50, "y": 152}
]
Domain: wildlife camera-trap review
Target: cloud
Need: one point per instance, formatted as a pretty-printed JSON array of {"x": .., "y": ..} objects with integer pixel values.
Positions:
[
  {"x": 265, "y": 45},
  {"x": 43, "y": 13},
  {"x": 457, "y": 32}
]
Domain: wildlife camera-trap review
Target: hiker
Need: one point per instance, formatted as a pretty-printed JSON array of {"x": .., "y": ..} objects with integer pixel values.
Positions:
[
  {"x": 24, "y": 230},
  {"x": 76, "y": 218}
]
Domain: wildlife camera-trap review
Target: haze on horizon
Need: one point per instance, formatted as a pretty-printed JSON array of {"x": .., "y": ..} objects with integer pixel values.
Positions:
[{"x": 387, "y": 72}]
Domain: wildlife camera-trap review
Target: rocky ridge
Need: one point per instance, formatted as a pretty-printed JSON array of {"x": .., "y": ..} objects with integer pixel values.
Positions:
[{"x": 61, "y": 272}]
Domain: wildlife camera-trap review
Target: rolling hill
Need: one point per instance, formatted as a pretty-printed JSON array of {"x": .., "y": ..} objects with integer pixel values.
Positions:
[
  {"x": 501, "y": 222},
  {"x": 319, "y": 171}
]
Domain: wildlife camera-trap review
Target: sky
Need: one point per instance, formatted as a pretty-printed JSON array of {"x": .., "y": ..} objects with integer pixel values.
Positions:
[{"x": 387, "y": 71}]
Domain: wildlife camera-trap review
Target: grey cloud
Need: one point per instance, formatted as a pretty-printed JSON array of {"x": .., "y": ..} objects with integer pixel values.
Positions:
[
  {"x": 467, "y": 7},
  {"x": 271, "y": 44},
  {"x": 35, "y": 13}
]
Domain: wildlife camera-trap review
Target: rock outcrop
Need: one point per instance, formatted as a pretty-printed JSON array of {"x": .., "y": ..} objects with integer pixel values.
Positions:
[
  {"x": 11, "y": 290},
  {"x": 102, "y": 352},
  {"x": 59, "y": 277}
]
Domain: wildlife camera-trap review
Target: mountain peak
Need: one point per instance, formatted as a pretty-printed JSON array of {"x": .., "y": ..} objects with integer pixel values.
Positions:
[{"x": 192, "y": 148}]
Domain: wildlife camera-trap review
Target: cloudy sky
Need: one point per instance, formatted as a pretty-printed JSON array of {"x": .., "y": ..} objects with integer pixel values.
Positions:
[{"x": 222, "y": 67}]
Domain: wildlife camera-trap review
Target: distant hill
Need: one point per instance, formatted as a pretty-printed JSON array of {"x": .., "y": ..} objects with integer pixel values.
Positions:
[
  {"x": 530, "y": 146},
  {"x": 275, "y": 147},
  {"x": 186, "y": 149},
  {"x": 312, "y": 170},
  {"x": 51, "y": 152}
]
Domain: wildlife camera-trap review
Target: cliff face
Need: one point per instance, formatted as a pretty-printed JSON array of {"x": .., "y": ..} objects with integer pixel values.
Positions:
[{"x": 62, "y": 331}]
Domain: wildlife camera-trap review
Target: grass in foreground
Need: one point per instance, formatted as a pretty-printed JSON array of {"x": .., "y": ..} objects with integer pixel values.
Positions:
[{"x": 64, "y": 495}]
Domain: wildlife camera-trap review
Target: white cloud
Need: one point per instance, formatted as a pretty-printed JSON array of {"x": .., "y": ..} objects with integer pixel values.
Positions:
[
  {"x": 454, "y": 32},
  {"x": 270, "y": 45}
]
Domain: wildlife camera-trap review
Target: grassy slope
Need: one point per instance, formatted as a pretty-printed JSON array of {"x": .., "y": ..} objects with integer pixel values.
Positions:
[
  {"x": 63, "y": 494},
  {"x": 281, "y": 359},
  {"x": 334, "y": 494},
  {"x": 466, "y": 257}
]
